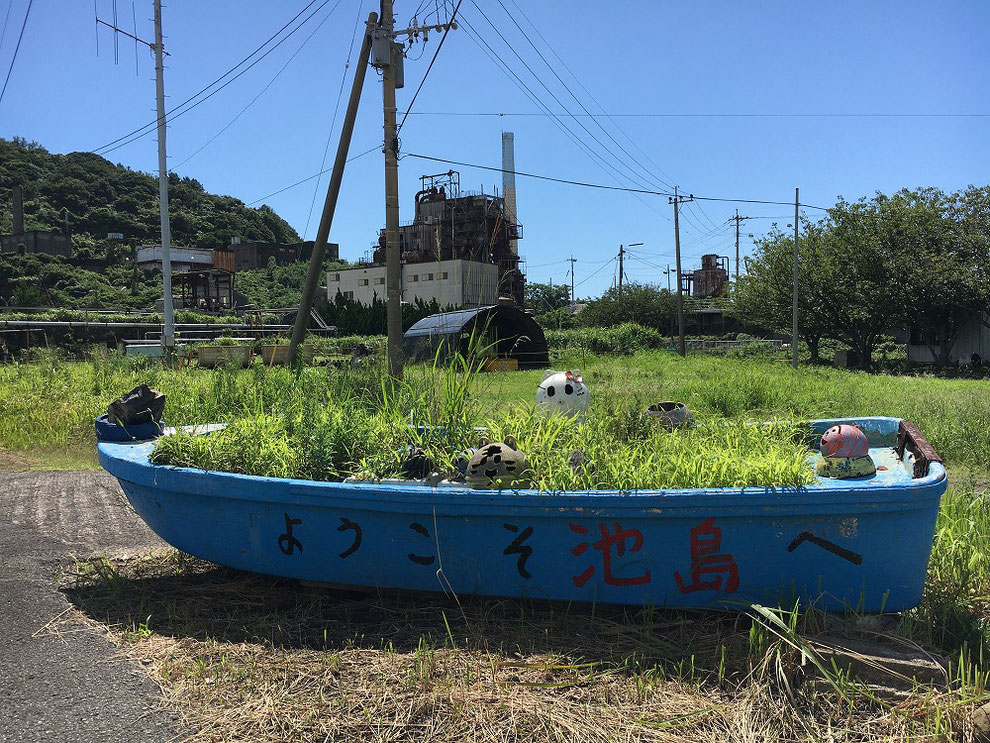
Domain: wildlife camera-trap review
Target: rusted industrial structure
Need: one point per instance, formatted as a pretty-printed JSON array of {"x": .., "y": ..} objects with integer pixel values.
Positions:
[
  {"x": 452, "y": 225},
  {"x": 711, "y": 280}
]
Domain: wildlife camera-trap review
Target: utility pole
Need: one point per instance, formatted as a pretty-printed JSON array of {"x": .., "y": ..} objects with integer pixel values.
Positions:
[
  {"x": 794, "y": 302},
  {"x": 388, "y": 56},
  {"x": 393, "y": 267},
  {"x": 737, "y": 219},
  {"x": 168, "y": 337},
  {"x": 668, "y": 272},
  {"x": 621, "y": 251},
  {"x": 676, "y": 201},
  {"x": 333, "y": 191},
  {"x": 572, "y": 260}
]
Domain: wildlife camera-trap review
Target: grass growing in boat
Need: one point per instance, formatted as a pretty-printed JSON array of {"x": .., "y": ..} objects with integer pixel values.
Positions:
[{"x": 622, "y": 449}]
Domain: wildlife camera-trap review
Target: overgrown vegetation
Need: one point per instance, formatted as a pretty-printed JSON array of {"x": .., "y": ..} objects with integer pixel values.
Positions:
[{"x": 240, "y": 656}]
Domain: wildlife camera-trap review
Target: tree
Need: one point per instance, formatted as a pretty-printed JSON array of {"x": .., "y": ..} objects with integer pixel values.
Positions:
[
  {"x": 915, "y": 258},
  {"x": 646, "y": 304},
  {"x": 544, "y": 298}
]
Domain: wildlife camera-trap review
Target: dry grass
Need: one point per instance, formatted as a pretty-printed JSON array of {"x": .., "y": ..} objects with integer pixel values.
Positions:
[{"x": 246, "y": 657}]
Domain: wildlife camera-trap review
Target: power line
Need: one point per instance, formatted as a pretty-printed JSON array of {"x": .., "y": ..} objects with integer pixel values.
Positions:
[
  {"x": 553, "y": 71},
  {"x": 16, "y": 48},
  {"x": 311, "y": 177},
  {"x": 595, "y": 185},
  {"x": 109, "y": 146},
  {"x": 595, "y": 273},
  {"x": 429, "y": 66},
  {"x": 535, "y": 175},
  {"x": 262, "y": 91},
  {"x": 333, "y": 120},
  {"x": 496, "y": 58},
  {"x": 3, "y": 35},
  {"x": 851, "y": 115}
]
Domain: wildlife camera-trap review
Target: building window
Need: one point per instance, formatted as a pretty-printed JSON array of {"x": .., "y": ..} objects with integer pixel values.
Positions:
[
  {"x": 429, "y": 277},
  {"x": 335, "y": 277},
  {"x": 443, "y": 275},
  {"x": 363, "y": 282},
  {"x": 380, "y": 280},
  {"x": 348, "y": 295},
  {"x": 414, "y": 277}
]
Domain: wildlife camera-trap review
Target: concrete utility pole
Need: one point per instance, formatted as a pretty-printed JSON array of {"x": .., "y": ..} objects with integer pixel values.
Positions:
[
  {"x": 676, "y": 201},
  {"x": 333, "y": 191},
  {"x": 794, "y": 302},
  {"x": 737, "y": 219},
  {"x": 621, "y": 251},
  {"x": 168, "y": 336},
  {"x": 393, "y": 266},
  {"x": 573, "y": 260},
  {"x": 388, "y": 56}
]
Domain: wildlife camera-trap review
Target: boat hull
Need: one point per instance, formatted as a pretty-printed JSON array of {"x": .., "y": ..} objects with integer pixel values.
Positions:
[{"x": 837, "y": 544}]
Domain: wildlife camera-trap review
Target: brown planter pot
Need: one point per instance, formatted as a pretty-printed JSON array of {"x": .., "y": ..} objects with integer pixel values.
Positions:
[
  {"x": 213, "y": 356},
  {"x": 280, "y": 354}
]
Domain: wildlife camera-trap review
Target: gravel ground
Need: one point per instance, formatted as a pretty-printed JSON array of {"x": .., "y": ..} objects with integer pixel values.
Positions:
[{"x": 68, "y": 687}]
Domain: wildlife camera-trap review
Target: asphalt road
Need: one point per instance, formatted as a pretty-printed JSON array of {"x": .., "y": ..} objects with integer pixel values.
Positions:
[{"x": 69, "y": 687}]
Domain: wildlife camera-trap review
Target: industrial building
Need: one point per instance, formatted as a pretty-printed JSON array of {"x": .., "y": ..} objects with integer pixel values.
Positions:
[
  {"x": 23, "y": 241},
  {"x": 454, "y": 283},
  {"x": 711, "y": 280},
  {"x": 460, "y": 248},
  {"x": 249, "y": 255},
  {"x": 149, "y": 257}
]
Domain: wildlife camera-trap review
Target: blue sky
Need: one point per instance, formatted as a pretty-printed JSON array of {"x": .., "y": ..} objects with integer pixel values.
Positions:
[{"x": 707, "y": 74}]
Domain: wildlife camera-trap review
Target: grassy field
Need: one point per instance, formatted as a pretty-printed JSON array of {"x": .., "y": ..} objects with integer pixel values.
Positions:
[{"x": 244, "y": 657}]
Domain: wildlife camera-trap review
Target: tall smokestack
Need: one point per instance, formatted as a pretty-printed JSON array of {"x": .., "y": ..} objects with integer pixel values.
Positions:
[
  {"x": 18, "y": 202},
  {"x": 509, "y": 183}
]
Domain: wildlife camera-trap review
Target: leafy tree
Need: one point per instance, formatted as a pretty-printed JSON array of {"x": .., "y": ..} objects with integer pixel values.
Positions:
[
  {"x": 544, "y": 298},
  {"x": 914, "y": 258},
  {"x": 764, "y": 295},
  {"x": 645, "y": 304}
]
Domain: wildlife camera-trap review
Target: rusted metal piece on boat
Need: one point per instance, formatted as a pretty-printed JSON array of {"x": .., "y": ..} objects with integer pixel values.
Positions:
[{"x": 909, "y": 438}]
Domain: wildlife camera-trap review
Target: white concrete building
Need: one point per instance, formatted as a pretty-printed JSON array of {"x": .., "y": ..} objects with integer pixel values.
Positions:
[
  {"x": 459, "y": 283},
  {"x": 182, "y": 259},
  {"x": 973, "y": 338}
]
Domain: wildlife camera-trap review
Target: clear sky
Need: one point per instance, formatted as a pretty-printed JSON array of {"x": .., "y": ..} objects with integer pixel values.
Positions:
[{"x": 724, "y": 99}]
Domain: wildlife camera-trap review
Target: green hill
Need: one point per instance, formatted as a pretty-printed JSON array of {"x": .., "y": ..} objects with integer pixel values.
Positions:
[{"x": 100, "y": 197}]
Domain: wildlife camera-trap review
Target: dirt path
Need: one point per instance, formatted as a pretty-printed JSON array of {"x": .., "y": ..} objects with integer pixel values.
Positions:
[{"x": 66, "y": 687}]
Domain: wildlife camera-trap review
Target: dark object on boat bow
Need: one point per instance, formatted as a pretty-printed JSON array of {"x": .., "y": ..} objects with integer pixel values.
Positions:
[{"x": 141, "y": 405}]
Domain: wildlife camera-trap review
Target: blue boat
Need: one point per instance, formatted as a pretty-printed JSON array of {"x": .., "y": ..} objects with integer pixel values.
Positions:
[{"x": 862, "y": 543}]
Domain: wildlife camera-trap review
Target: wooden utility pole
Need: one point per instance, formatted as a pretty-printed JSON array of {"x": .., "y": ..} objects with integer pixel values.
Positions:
[
  {"x": 794, "y": 301},
  {"x": 737, "y": 219},
  {"x": 168, "y": 336},
  {"x": 330, "y": 204},
  {"x": 676, "y": 201}
]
